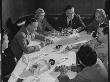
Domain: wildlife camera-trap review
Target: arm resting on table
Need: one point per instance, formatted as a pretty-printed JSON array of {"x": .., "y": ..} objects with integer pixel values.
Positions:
[{"x": 23, "y": 42}]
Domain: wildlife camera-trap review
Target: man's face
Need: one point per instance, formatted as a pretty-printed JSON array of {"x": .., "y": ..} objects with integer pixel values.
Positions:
[
  {"x": 100, "y": 34},
  {"x": 32, "y": 27},
  {"x": 70, "y": 13}
]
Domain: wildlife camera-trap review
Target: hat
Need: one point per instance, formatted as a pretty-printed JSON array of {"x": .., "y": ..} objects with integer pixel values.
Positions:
[{"x": 39, "y": 10}]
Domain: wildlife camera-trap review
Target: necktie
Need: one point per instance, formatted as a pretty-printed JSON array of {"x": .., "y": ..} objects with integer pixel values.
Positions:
[{"x": 70, "y": 24}]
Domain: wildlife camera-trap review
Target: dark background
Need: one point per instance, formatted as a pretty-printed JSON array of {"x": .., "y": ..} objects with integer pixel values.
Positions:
[{"x": 16, "y": 8}]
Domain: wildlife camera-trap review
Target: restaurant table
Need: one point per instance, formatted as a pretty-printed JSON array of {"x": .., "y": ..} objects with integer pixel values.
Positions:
[{"x": 49, "y": 52}]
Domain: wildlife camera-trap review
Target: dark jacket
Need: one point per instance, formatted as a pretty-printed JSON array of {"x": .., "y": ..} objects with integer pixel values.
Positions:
[{"x": 76, "y": 22}]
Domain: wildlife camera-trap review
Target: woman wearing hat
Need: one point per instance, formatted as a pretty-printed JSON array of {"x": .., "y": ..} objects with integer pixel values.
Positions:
[{"x": 43, "y": 25}]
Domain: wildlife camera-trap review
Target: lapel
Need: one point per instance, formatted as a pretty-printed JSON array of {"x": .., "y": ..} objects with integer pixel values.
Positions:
[
  {"x": 74, "y": 20},
  {"x": 65, "y": 21}
]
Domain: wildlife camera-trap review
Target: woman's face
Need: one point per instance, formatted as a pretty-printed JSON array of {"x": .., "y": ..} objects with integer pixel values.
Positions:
[
  {"x": 40, "y": 16},
  {"x": 99, "y": 17}
]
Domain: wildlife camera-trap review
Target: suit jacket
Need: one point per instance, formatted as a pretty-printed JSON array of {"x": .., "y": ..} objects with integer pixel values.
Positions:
[
  {"x": 20, "y": 43},
  {"x": 95, "y": 73},
  {"x": 76, "y": 22}
]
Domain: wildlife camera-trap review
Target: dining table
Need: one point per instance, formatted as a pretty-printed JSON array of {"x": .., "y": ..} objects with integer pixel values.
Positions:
[{"x": 56, "y": 51}]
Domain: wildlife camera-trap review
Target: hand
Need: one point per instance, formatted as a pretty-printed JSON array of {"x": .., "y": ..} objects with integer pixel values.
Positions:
[
  {"x": 76, "y": 68},
  {"x": 36, "y": 48},
  {"x": 63, "y": 69},
  {"x": 47, "y": 42},
  {"x": 68, "y": 47},
  {"x": 42, "y": 44},
  {"x": 78, "y": 29},
  {"x": 63, "y": 78}
]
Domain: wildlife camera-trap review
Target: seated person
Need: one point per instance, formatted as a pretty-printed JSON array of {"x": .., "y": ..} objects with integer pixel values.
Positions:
[
  {"x": 43, "y": 25},
  {"x": 99, "y": 20},
  {"x": 70, "y": 19},
  {"x": 100, "y": 44},
  {"x": 8, "y": 61},
  {"x": 94, "y": 70},
  {"x": 22, "y": 39}
]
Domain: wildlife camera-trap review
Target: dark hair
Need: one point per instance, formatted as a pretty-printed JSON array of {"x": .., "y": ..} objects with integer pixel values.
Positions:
[
  {"x": 30, "y": 21},
  {"x": 68, "y": 7},
  {"x": 52, "y": 61},
  {"x": 87, "y": 55},
  {"x": 106, "y": 30}
]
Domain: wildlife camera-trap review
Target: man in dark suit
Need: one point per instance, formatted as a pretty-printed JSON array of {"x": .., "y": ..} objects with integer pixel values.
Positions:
[{"x": 70, "y": 19}]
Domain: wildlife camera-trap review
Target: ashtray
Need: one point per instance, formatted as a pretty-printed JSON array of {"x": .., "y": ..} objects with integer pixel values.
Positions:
[{"x": 58, "y": 46}]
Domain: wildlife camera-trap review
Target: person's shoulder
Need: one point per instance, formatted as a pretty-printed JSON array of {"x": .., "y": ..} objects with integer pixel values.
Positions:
[
  {"x": 21, "y": 33},
  {"x": 82, "y": 77},
  {"x": 99, "y": 65}
]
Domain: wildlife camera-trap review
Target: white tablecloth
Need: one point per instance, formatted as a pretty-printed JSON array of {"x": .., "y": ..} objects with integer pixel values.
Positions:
[{"x": 49, "y": 52}]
